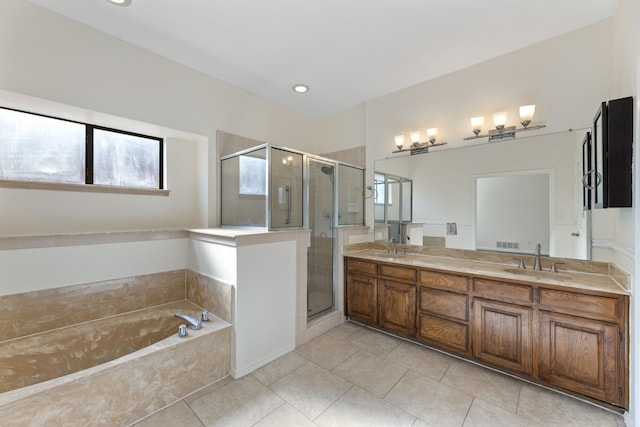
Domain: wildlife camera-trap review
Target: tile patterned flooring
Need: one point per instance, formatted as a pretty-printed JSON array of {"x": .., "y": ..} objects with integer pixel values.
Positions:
[{"x": 354, "y": 376}]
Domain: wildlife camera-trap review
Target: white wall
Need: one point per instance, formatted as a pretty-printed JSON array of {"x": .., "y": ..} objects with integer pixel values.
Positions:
[
  {"x": 558, "y": 75},
  {"x": 624, "y": 222},
  {"x": 47, "y": 56},
  {"x": 25, "y": 270}
]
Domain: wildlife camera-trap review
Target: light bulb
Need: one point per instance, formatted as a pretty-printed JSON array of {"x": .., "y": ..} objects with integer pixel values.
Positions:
[
  {"x": 476, "y": 124},
  {"x": 526, "y": 114},
  {"x": 399, "y": 141},
  {"x": 499, "y": 120},
  {"x": 431, "y": 134},
  {"x": 415, "y": 137}
]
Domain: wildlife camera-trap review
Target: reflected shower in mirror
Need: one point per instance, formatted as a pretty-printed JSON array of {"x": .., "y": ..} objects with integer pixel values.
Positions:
[{"x": 444, "y": 190}]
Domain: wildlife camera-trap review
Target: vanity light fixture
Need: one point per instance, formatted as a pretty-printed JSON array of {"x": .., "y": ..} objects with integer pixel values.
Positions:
[
  {"x": 503, "y": 132},
  {"x": 416, "y": 146},
  {"x": 120, "y": 2},
  {"x": 476, "y": 125},
  {"x": 300, "y": 88},
  {"x": 431, "y": 135}
]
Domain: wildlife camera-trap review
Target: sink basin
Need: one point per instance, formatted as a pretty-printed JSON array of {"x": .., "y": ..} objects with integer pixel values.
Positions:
[
  {"x": 390, "y": 257},
  {"x": 537, "y": 274}
]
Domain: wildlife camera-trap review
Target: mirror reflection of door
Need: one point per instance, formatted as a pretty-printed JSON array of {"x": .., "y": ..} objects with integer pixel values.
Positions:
[{"x": 513, "y": 212}]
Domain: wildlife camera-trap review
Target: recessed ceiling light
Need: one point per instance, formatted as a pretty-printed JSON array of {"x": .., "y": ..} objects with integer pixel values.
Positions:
[
  {"x": 300, "y": 88},
  {"x": 120, "y": 2}
]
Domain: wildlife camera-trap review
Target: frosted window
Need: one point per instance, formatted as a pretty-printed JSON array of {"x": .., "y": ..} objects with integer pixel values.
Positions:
[
  {"x": 125, "y": 160},
  {"x": 38, "y": 148}
]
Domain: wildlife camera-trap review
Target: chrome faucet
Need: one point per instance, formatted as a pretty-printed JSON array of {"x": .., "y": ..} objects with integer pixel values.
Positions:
[
  {"x": 394, "y": 245},
  {"x": 537, "y": 265},
  {"x": 193, "y": 322}
]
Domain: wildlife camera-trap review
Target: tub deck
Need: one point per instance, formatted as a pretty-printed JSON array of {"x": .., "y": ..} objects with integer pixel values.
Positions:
[
  {"x": 122, "y": 390},
  {"x": 52, "y": 354}
]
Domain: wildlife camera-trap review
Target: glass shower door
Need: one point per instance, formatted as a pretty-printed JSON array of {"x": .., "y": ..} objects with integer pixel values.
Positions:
[
  {"x": 286, "y": 189},
  {"x": 320, "y": 250}
]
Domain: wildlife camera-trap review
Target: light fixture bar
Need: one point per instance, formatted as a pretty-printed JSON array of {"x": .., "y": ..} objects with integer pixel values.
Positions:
[
  {"x": 507, "y": 133},
  {"x": 419, "y": 148}
]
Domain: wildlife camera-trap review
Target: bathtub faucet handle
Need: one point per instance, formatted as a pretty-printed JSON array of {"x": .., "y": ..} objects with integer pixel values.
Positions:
[
  {"x": 182, "y": 331},
  {"x": 205, "y": 316}
]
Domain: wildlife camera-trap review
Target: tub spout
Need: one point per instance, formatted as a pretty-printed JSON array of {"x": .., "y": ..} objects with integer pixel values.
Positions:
[{"x": 193, "y": 322}]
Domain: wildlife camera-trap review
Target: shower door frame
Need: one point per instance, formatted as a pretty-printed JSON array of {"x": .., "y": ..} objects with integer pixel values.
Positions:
[{"x": 333, "y": 224}]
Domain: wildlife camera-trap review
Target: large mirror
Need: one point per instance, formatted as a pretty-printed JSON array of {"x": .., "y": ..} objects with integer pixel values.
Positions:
[{"x": 504, "y": 196}]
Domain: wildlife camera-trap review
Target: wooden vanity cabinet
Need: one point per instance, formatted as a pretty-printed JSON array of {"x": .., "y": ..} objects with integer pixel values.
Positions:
[
  {"x": 397, "y": 299},
  {"x": 502, "y": 324},
  {"x": 502, "y": 335},
  {"x": 582, "y": 344},
  {"x": 361, "y": 290},
  {"x": 381, "y": 295},
  {"x": 397, "y": 307},
  {"x": 572, "y": 339},
  {"x": 443, "y": 311}
]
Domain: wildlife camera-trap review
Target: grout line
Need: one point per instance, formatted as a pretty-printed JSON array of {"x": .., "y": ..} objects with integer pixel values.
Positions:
[{"x": 466, "y": 416}]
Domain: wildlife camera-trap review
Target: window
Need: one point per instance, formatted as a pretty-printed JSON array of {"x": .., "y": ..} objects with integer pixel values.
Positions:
[{"x": 48, "y": 149}]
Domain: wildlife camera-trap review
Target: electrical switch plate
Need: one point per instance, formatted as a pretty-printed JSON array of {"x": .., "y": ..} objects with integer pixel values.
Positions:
[{"x": 452, "y": 229}]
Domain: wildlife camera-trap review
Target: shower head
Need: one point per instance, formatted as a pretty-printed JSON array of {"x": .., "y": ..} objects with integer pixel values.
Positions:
[{"x": 327, "y": 170}]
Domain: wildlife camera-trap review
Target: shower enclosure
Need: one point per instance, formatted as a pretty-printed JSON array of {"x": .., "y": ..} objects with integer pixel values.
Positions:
[
  {"x": 275, "y": 188},
  {"x": 320, "y": 251}
]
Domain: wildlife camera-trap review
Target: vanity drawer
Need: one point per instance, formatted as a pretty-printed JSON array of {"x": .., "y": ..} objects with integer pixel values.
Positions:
[
  {"x": 444, "y": 281},
  {"x": 592, "y": 306},
  {"x": 398, "y": 272},
  {"x": 443, "y": 303},
  {"x": 503, "y": 291},
  {"x": 444, "y": 333},
  {"x": 355, "y": 265}
]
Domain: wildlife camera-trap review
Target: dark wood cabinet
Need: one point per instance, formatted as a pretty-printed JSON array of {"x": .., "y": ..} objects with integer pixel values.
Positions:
[
  {"x": 502, "y": 335},
  {"x": 580, "y": 355},
  {"x": 609, "y": 179},
  {"x": 443, "y": 311},
  {"x": 572, "y": 339},
  {"x": 362, "y": 298},
  {"x": 361, "y": 290},
  {"x": 382, "y": 295},
  {"x": 397, "y": 307}
]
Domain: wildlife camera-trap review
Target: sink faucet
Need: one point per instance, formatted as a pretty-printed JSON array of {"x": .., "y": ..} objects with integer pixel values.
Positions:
[
  {"x": 394, "y": 245},
  {"x": 193, "y": 322},
  {"x": 537, "y": 265}
]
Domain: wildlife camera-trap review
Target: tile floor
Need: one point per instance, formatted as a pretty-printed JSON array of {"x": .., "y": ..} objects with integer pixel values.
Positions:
[{"x": 354, "y": 376}]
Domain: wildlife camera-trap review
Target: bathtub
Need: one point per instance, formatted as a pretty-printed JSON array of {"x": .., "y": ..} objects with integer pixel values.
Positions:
[{"x": 110, "y": 371}]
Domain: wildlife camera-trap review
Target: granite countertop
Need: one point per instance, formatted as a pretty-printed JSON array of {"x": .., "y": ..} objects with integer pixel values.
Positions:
[{"x": 592, "y": 281}]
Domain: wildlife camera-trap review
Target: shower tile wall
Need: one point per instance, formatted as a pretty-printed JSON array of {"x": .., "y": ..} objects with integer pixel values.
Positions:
[{"x": 354, "y": 156}]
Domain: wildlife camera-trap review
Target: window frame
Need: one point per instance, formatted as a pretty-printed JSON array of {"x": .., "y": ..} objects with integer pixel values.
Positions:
[{"x": 88, "y": 185}]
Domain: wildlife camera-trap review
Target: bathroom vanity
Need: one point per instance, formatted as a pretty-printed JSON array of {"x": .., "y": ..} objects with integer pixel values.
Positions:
[{"x": 566, "y": 330}]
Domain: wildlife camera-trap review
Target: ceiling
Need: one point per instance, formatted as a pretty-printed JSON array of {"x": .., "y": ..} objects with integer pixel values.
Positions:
[{"x": 346, "y": 51}]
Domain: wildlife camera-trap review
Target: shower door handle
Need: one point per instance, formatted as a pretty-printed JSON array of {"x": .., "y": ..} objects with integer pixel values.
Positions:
[{"x": 287, "y": 191}]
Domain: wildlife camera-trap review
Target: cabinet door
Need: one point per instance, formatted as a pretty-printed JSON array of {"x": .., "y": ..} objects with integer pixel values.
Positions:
[
  {"x": 362, "y": 298},
  {"x": 580, "y": 355},
  {"x": 397, "y": 307},
  {"x": 502, "y": 335}
]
